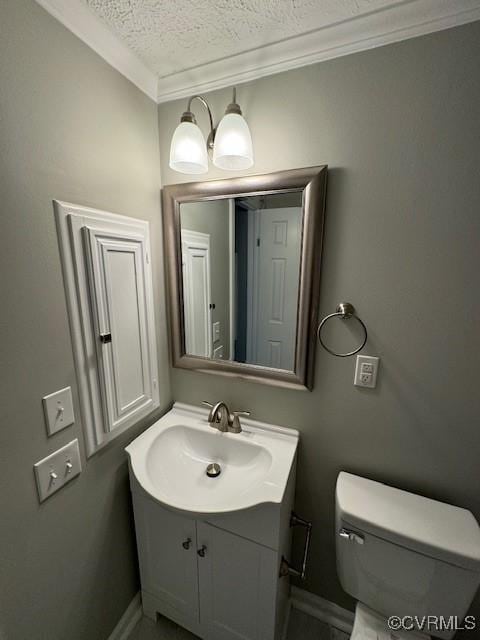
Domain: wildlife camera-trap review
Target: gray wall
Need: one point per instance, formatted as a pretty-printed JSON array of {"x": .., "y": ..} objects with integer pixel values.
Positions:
[
  {"x": 399, "y": 127},
  {"x": 212, "y": 218},
  {"x": 71, "y": 128}
]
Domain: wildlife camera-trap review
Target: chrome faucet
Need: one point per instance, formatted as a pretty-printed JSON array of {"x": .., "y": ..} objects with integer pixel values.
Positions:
[{"x": 220, "y": 417}]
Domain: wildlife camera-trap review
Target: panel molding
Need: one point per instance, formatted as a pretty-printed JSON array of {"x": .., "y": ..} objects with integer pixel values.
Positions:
[
  {"x": 406, "y": 19},
  {"x": 101, "y": 245},
  {"x": 70, "y": 220},
  {"x": 277, "y": 312}
]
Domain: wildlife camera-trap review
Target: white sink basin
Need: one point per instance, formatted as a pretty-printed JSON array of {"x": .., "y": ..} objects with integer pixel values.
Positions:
[{"x": 170, "y": 459}]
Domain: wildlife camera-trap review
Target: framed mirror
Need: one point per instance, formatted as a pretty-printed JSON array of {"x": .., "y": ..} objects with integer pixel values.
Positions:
[{"x": 244, "y": 262}]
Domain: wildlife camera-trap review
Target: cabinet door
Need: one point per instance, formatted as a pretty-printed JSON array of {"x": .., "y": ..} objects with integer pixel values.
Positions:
[
  {"x": 117, "y": 273},
  {"x": 238, "y": 584},
  {"x": 108, "y": 283},
  {"x": 167, "y": 550}
]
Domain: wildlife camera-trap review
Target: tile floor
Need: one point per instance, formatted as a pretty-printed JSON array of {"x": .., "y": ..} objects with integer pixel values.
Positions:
[{"x": 301, "y": 627}]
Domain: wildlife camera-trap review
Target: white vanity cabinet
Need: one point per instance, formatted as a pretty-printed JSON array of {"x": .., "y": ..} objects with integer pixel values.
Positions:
[{"x": 217, "y": 576}]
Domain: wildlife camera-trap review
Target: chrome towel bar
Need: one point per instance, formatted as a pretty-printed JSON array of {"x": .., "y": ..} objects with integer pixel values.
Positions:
[{"x": 285, "y": 568}]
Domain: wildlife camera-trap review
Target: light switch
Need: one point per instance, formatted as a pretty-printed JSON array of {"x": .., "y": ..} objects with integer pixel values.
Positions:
[
  {"x": 58, "y": 410},
  {"x": 216, "y": 331},
  {"x": 366, "y": 370},
  {"x": 54, "y": 471}
]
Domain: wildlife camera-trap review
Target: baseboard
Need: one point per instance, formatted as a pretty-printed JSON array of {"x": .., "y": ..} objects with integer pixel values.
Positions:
[
  {"x": 127, "y": 622},
  {"x": 300, "y": 599},
  {"x": 309, "y": 603},
  {"x": 322, "y": 609}
]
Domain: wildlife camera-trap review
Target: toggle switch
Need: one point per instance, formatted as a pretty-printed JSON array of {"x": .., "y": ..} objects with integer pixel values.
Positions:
[
  {"x": 54, "y": 471},
  {"x": 58, "y": 410}
]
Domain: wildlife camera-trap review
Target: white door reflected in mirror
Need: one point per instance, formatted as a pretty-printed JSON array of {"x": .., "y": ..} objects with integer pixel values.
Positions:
[
  {"x": 196, "y": 292},
  {"x": 241, "y": 273}
]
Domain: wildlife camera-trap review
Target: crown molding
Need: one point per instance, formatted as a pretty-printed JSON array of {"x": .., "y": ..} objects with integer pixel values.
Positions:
[
  {"x": 81, "y": 21},
  {"x": 401, "y": 21},
  {"x": 407, "y": 19}
]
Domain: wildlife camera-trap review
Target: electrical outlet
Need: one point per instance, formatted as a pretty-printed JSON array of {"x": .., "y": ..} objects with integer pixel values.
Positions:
[{"x": 366, "y": 370}]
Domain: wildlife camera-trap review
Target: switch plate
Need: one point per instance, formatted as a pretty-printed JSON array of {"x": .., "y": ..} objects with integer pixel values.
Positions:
[
  {"x": 58, "y": 410},
  {"x": 366, "y": 370},
  {"x": 54, "y": 471},
  {"x": 216, "y": 331}
]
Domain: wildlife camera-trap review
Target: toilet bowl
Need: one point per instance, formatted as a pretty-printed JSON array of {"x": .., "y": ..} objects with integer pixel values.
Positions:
[{"x": 406, "y": 556}]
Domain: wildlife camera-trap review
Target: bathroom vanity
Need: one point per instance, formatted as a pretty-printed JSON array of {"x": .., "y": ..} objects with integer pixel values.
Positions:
[{"x": 213, "y": 551}]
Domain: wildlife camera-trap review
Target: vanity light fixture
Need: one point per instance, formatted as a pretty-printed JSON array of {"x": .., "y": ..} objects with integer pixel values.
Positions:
[{"x": 230, "y": 142}]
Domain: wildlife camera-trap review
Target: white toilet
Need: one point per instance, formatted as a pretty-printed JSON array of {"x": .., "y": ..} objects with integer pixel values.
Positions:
[{"x": 399, "y": 554}]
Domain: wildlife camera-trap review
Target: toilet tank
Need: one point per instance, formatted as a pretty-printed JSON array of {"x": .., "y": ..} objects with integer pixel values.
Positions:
[{"x": 405, "y": 555}]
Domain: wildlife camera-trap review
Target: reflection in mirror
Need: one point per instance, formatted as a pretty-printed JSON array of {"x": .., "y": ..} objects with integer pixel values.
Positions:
[{"x": 241, "y": 273}]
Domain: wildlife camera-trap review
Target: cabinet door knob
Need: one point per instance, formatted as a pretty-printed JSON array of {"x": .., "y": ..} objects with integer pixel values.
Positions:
[
  {"x": 202, "y": 550},
  {"x": 187, "y": 543}
]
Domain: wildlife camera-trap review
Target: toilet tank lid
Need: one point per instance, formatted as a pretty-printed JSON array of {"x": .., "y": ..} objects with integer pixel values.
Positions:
[{"x": 436, "y": 529}]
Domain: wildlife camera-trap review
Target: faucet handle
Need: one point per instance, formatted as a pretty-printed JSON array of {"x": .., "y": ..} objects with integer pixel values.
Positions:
[
  {"x": 235, "y": 426},
  {"x": 210, "y": 405}
]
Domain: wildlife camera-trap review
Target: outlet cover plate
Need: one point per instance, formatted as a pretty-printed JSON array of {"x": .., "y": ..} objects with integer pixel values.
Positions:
[
  {"x": 366, "y": 370},
  {"x": 54, "y": 471}
]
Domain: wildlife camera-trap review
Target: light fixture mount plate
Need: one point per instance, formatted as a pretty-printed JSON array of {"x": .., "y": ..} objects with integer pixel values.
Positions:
[
  {"x": 233, "y": 107},
  {"x": 188, "y": 116}
]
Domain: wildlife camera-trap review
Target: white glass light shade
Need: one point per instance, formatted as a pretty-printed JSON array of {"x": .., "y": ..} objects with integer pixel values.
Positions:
[
  {"x": 233, "y": 143},
  {"x": 188, "y": 151}
]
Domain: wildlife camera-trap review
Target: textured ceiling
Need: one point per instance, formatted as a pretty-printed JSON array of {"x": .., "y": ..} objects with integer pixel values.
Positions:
[{"x": 176, "y": 35}]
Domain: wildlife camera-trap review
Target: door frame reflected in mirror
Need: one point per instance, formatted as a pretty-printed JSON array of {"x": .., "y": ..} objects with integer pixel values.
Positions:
[{"x": 311, "y": 182}]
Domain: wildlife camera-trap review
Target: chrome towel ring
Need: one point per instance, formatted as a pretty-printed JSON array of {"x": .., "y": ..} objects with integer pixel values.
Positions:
[{"x": 345, "y": 311}]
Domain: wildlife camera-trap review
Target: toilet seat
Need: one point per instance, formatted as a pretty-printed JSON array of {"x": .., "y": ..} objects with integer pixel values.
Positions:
[{"x": 369, "y": 625}]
